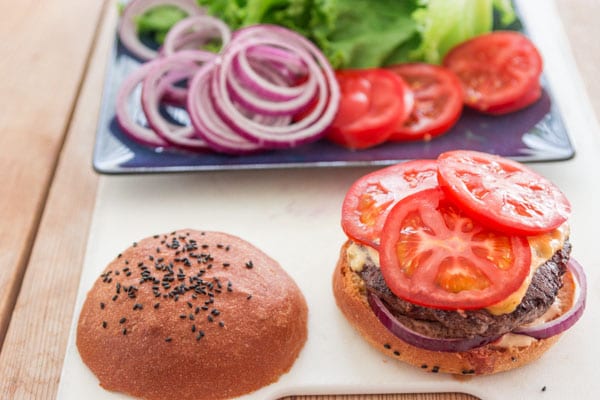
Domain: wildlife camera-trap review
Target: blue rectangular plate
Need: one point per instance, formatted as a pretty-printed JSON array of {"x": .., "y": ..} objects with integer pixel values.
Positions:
[{"x": 536, "y": 133}]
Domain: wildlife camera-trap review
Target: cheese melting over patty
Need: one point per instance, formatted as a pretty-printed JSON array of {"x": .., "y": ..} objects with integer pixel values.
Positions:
[{"x": 542, "y": 247}]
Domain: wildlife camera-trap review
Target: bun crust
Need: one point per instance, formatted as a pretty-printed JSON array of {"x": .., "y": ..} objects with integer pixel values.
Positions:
[
  {"x": 238, "y": 326},
  {"x": 350, "y": 296}
]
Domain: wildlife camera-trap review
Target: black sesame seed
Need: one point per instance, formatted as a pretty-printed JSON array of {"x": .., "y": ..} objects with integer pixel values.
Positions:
[
  {"x": 396, "y": 353},
  {"x": 102, "y": 305},
  {"x": 182, "y": 316},
  {"x": 387, "y": 346},
  {"x": 125, "y": 331},
  {"x": 134, "y": 244},
  {"x": 249, "y": 264},
  {"x": 156, "y": 305},
  {"x": 435, "y": 369},
  {"x": 193, "y": 328},
  {"x": 123, "y": 320},
  {"x": 221, "y": 324},
  {"x": 424, "y": 366},
  {"x": 220, "y": 246},
  {"x": 104, "y": 324},
  {"x": 226, "y": 264},
  {"x": 210, "y": 318},
  {"x": 119, "y": 255},
  {"x": 168, "y": 339},
  {"x": 192, "y": 317},
  {"x": 115, "y": 297},
  {"x": 190, "y": 305},
  {"x": 543, "y": 388},
  {"x": 249, "y": 297},
  {"x": 215, "y": 312}
]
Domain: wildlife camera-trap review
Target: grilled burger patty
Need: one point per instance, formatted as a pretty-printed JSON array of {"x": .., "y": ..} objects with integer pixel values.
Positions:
[{"x": 540, "y": 295}]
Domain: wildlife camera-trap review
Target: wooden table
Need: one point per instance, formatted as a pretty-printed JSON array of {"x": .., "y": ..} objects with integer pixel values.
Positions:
[{"x": 52, "y": 61}]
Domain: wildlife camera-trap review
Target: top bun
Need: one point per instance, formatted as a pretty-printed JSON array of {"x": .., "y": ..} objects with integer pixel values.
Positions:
[{"x": 191, "y": 315}]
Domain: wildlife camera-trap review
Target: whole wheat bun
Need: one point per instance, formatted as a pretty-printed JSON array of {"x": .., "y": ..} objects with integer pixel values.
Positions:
[
  {"x": 227, "y": 321},
  {"x": 350, "y": 295}
]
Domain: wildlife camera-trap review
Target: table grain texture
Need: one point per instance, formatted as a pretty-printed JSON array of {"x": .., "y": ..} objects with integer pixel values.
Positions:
[{"x": 53, "y": 56}]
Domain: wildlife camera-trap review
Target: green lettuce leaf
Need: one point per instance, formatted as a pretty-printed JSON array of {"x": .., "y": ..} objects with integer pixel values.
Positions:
[{"x": 371, "y": 33}]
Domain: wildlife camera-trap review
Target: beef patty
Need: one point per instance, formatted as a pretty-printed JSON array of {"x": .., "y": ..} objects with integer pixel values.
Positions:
[{"x": 545, "y": 283}]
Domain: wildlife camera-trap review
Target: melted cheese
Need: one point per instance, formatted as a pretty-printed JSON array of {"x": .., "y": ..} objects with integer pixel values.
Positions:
[{"x": 542, "y": 246}]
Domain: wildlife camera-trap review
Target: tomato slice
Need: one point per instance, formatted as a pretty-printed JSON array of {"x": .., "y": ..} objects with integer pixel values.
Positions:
[
  {"x": 526, "y": 100},
  {"x": 370, "y": 198},
  {"x": 372, "y": 103},
  {"x": 438, "y": 101},
  {"x": 433, "y": 255},
  {"x": 501, "y": 193},
  {"x": 495, "y": 69}
]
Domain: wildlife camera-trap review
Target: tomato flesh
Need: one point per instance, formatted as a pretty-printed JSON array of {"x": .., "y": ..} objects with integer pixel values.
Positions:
[
  {"x": 438, "y": 101},
  {"x": 370, "y": 198},
  {"x": 496, "y": 69},
  {"x": 501, "y": 193},
  {"x": 373, "y": 101},
  {"x": 526, "y": 100},
  {"x": 433, "y": 255}
]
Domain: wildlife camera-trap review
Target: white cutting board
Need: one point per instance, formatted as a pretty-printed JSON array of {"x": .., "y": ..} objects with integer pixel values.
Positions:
[{"x": 293, "y": 215}]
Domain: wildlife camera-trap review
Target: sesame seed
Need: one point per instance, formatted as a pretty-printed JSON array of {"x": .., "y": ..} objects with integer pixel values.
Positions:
[
  {"x": 396, "y": 353},
  {"x": 249, "y": 264},
  {"x": 435, "y": 369},
  {"x": 102, "y": 305},
  {"x": 156, "y": 305},
  {"x": 125, "y": 331},
  {"x": 215, "y": 312},
  {"x": 424, "y": 366},
  {"x": 104, "y": 324},
  {"x": 123, "y": 320},
  {"x": 193, "y": 328},
  {"x": 221, "y": 324},
  {"x": 168, "y": 339},
  {"x": 387, "y": 346},
  {"x": 249, "y": 297}
]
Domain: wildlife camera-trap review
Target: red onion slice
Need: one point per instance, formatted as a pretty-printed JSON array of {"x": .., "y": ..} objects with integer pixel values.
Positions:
[
  {"x": 418, "y": 340},
  {"x": 166, "y": 72},
  {"x": 198, "y": 29},
  {"x": 250, "y": 71},
  {"x": 569, "y": 318},
  {"x": 254, "y": 98},
  {"x": 132, "y": 129},
  {"x": 313, "y": 125},
  {"x": 207, "y": 122},
  {"x": 128, "y": 32}
]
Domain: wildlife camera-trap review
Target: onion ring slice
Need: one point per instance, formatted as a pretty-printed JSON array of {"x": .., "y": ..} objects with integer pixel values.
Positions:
[{"x": 127, "y": 30}]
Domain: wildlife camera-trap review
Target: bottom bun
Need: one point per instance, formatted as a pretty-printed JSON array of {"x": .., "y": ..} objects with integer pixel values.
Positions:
[{"x": 350, "y": 294}]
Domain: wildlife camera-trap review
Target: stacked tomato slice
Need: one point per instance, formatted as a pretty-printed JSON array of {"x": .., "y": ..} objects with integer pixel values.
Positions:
[{"x": 452, "y": 233}]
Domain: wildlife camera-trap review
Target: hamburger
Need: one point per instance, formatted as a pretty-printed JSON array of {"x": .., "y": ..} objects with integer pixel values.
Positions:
[
  {"x": 458, "y": 265},
  {"x": 191, "y": 315}
]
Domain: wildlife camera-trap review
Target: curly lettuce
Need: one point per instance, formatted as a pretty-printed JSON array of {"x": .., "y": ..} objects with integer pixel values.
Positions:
[{"x": 356, "y": 33}]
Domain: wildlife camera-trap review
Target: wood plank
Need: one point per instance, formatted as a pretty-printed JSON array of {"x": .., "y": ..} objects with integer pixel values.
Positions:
[
  {"x": 32, "y": 355},
  {"x": 44, "y": 48}
]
